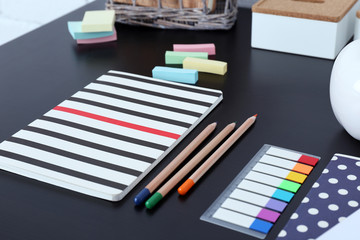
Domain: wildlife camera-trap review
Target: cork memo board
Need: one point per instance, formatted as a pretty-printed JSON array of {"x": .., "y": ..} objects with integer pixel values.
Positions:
[{"x": 323, "y": 10}]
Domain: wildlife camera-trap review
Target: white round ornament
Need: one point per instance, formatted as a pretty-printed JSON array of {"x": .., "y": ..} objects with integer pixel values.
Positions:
[{"x": 345, "y": 88}]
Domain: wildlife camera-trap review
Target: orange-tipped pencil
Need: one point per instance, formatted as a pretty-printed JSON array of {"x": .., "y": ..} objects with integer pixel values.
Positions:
[{"x": 185, "y": 187}]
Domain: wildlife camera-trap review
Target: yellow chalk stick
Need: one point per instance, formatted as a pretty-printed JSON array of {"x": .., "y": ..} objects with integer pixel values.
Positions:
[{"x": 204, "y": 65}]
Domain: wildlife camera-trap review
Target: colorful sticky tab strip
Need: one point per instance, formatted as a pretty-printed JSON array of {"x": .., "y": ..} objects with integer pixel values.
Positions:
[
  {"x": 292, "y": 156},
  {"x": 258, "y": 196},
  {"x": 287, "y": 164}
]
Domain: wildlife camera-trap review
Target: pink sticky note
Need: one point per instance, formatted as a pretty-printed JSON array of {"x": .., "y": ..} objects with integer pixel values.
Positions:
[
  {"x": 204, "y": 47},
  {"x": 98, "y": 40}
]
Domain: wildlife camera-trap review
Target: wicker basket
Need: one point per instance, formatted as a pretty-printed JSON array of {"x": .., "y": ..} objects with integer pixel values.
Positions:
[{"x": 176, "y": 14}]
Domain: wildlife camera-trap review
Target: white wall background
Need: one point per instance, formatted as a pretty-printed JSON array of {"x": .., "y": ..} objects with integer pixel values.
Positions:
[{"x": 18, "y": 17}]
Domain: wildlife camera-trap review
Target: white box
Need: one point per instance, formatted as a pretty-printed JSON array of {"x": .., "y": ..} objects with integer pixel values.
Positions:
[{"x": 316, "y": 38}]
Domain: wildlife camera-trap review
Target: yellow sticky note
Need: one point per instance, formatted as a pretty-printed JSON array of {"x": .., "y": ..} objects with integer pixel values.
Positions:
[
  {"x": 296, "y": 177},
  {"x": 205, "y": 65},
  {"x": 98, "y": 21}
]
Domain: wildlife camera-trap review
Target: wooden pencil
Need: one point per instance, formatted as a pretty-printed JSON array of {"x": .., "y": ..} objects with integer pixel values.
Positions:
[
  {"x": 156, "y": 197},
  {"x": 186, "y": 186},
  {"x": 150, "y": 188}
]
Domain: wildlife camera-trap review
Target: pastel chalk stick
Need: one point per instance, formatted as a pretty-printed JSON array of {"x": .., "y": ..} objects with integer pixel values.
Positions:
[
  {"x": 75, "y": 31},
  {"x": 204, "y": 47},
  {"x": 205, "y": 65},
  {"x": 172, "y": 57},
  {"x": 98, "y": 21},
  {"x": 176, "y": 74},
  {"x": 98, "y": 40}
]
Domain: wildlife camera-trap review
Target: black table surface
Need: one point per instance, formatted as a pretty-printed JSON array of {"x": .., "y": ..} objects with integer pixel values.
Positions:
[{"x": 41, "y": 69}]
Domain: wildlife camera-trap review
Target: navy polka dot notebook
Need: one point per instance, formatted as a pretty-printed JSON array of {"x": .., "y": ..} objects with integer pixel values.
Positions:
[{"x": 332, "y": 198}]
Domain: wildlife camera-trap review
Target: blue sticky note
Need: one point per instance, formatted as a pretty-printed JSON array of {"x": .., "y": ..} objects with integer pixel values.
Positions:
[
  {"x": 261, "y": 226},
  {"x": 75, "y": 31},
  {"x": 283, "y": 195},
  {"x": 176, "y": 74}
]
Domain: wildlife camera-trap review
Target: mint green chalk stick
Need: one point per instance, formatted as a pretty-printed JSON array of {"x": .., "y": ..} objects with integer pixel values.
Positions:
[{"x": 178, "y": 57}]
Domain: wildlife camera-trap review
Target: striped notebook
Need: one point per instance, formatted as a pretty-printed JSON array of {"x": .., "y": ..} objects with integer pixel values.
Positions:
[{"x": 105, "y": 138}]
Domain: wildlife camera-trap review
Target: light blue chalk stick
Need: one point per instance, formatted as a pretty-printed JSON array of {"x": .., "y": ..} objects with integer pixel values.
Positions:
[
  {"x": 176, "y": 74},
  {"x": 75, "y": 31}
]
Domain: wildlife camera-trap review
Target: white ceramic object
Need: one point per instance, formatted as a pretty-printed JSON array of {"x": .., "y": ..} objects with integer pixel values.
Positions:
[{"x": 345, "y": 88}]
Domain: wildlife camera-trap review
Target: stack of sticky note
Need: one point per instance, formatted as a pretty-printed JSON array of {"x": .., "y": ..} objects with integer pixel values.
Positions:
[
  {"x": 194, "y": 59},
  {"x": 96, "y": 27}
]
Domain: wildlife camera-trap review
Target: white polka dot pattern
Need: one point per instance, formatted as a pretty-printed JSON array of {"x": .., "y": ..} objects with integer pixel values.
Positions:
[
  {"x": 333, "y": 181},
  {"x": 323, "y": 224},
  {"x": 306, "y": 200},
  {"x": 302, "y": 228},
  {"x": 343, "y": 191},
  {"x": 323, "y": 195},
  {"x": 282, "y": 233},
  {"x": 333, "y": 197},
  {"x": 353, "y": 203},
  {"x": 313, "y": 211},
  {"x": 294, "y": 216},
  {"x": 333, "y": 207},
  {"x": 316, "y": 185}
]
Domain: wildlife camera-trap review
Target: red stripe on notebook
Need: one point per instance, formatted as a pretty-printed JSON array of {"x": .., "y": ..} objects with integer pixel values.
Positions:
[{"x": 118, "y": 122}]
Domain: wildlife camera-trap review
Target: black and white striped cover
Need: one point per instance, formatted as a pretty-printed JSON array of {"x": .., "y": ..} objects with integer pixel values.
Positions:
[{"x": 105, "y": 138}]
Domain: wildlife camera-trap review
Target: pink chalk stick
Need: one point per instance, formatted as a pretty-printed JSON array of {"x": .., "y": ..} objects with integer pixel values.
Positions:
[
  {"x": 205, "y": 47},
  {"x": 98, "y": 40}
]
